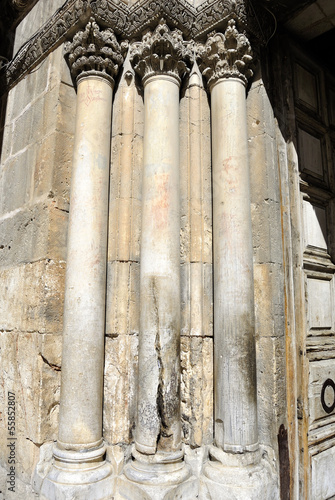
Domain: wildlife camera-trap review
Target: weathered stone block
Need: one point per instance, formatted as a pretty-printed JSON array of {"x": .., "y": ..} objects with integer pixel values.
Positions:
[
  {"x": 22, "y": 489},
  {"x": 43, "y": 168},
  {"x": 267, "y": 232},
  {"x": 31, "y": 297},
  {"x": 120, "y": 388},
  {"x": 122, "y": 306},
  {"x": 35, "y": 381},
  {"x": 126, "y": 167},
  {"x": 124, "y": 229},
  {"x": 27, "y": 90},
  {"x": 62, "y": 170},
  {"x": 196, "y": 299},
  {"x": 271, "y": 387},
  {"x": 269, "y": 300},
  {"x": 264, "y": 173},
  {"x": 259, "y": 110},
  {"x": 52, "y": 174},
  {"x": 66, "y": 110},
  {"x": 16, "y": 180},
  {"x": 197, "y": 390},
  {"x": 128, "y": 110},
  {"x": 33, "y": 233},
  {"x": 195, "y": 177}
]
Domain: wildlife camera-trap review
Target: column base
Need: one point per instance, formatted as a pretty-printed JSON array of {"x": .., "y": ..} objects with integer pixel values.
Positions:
[
  {"x": 126, "y": 489},
  {"x": 74, "y": 478},
  {"x": 157, "y": 470},
  {"x": 245, "y": 476}
]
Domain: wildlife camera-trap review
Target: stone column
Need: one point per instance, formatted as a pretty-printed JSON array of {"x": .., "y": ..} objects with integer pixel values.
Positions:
[
  {"x": 224, "y": 61},
  {"x": 94, "y": 57},
  {"x": 158, "y": 452}
]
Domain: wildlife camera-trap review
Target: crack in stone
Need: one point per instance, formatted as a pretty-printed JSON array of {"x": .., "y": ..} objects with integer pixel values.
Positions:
[
  {"x": 36, "y": 444},
  {"x": 159, "y": 360},
  {"x": 160, "y": 399},
  {"x": 52, "y": 366}
]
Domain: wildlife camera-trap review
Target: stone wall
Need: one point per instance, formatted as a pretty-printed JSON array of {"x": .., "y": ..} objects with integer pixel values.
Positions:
[
  {"x": 35, "y": 177},
  {"x": 37, "y": 126}
]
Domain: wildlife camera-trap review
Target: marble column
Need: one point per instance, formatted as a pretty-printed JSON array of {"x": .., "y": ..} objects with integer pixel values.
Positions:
[
  {"x": 158, "y": 452},
  {"x": 224, "y": 61},
  {"x": 94, "y": 57}
]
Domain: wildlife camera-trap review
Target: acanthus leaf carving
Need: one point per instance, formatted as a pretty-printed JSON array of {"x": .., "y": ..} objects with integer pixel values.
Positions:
[
  {"x": 227, "y": 55},
  {"x": 94, "y": 51},
  {"x": 128, "y": 22},
  {"x": 161, "y": 52}
]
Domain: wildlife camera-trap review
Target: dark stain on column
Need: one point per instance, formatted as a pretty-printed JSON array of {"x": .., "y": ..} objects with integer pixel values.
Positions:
[{"x": 284, "y": 464}]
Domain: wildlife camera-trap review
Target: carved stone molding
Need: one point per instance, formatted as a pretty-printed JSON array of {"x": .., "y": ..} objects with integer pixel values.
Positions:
[
  {"x": 249, "y": 16},
  {"x": 178, "y": 12},
  {"x": 225, "y": 55},
  {"x": 160, "y": 52},
  {"x": 111, "y": 14},
  {"x": 131, "y": 22},
  {"x": 94, "y": 52},
  {"x": 49, "y": 37}
]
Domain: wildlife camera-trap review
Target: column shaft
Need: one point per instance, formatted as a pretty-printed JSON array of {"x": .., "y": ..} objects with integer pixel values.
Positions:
[
  {"x": 80, "y": 421},
  {"x": 234, "y": 323},
  {"x": 158, "y": 423}
]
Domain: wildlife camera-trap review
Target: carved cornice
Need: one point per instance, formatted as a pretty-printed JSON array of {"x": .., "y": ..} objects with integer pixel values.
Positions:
[
  {"x": 111, "y": 14},
  {"x": 162, "y": 52},
  {"x": 131, "y": 22},
  {"x": 60, "y": 26},
  {"x": 225, "y": 55},
  {"x": 145, "y": 13},
  {"x": 249, "y": 15},
  {"x": 93, "y": 51}
]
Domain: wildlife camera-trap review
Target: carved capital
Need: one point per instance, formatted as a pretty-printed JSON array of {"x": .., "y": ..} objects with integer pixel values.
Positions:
[
  {"x": 93, "y": 51},
  {"x": 227, "y": 55},
  {"x": 162, "y": 52}
]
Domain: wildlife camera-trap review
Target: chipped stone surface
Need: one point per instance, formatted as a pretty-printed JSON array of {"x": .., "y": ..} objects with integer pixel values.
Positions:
[
  {"x": 34, "y": 194},
  {"x": 268, "y": 262},
  {"x": 35, "y": 294},
  {"x": 120, "y": 387},
  {"x": 197, "y": 390},
  {"x": 31, "y": 369}
]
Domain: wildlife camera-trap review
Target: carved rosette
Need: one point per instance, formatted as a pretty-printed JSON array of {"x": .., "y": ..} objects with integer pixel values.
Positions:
[
  {"x": 227, "y": 55},
  {"x": 93, "y": 51},
  {"x": 162, "y": 52}
]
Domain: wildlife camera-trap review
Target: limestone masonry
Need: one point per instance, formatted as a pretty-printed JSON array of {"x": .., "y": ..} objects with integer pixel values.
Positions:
[{"x": 167, "y": 250}]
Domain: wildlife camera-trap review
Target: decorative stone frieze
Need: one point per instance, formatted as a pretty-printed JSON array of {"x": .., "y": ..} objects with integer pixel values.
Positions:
[
  {"x": 111, "y": 13},
  {"x": 94, "y": 51},
  {"x": 227, "y": 55},
  {"x": 132, "y": 21},
  {"x": 161, "y": 52},
  {"x": 180, "y": 12}
]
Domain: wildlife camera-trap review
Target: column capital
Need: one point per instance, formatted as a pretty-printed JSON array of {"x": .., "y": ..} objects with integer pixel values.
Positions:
[
  {"x": 161, "y": 52},
  {"x": 227, "y": 55},
  {"x": 94, "y": 52}
]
